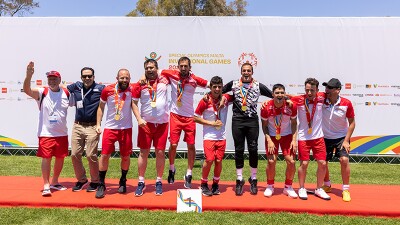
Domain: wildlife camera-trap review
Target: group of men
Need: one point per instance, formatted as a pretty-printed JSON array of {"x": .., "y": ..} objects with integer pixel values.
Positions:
[{"x": 319, "y": 114}]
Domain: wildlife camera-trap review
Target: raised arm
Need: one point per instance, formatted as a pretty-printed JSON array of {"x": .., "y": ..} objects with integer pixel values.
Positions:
[{"x": 34, "y": 93}]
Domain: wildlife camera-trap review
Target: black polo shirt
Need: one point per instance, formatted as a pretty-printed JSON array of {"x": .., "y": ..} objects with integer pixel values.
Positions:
[{"x": 91, "y": 100}]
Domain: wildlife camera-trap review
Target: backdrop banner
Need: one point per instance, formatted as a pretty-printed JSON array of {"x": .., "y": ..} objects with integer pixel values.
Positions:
[{"x": 362, "y": 52}]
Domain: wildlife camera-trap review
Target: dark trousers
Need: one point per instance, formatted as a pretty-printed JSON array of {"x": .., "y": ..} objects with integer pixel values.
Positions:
[{"x": 245, "y": 129}]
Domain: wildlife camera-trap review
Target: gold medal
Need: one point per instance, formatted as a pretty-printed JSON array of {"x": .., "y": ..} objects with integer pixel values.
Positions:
[
  {"x": 244, "y": 108},
  {"x": 309, "y": 130},
  {"x": 218, "y": 127},
  {"x": 117, "y": 116},
  {"x": 153, "y": 104},
  {"x": 278, "y": 137},
  {"x": 179, "y": 104}
]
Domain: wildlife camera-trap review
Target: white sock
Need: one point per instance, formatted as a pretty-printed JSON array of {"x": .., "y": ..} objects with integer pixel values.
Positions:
[
  {"x": 141, "y": 179},
  {"x": 345, "y": 187},
  {"x": 159, "y": 179},
  {"x": 253, "y": 173},
  {"x": 239, "y": 173},
  {"x": 188, "y": 172},
  {"x": 172, "y": 167},
  {"x": 327, "y": 183}
]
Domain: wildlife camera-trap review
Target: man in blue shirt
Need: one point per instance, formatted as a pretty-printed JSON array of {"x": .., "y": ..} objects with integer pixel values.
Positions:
[{"x": 86, "y": 97}]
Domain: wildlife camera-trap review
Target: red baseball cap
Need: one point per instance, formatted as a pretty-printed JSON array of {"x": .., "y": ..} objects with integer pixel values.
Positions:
[{"x": 53, "y": 74}]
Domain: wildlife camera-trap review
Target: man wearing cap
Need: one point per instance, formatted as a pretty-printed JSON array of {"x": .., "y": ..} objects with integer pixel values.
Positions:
[
  {"x": 338, "y": 125},
  {"x": 86, "y": 98},
  {"x": 53, "y": 103}
]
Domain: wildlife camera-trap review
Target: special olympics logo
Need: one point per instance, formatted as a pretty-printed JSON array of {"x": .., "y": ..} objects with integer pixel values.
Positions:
[
  {"x": 247, "y": 58},
  {"x": 153, "y": 55}
]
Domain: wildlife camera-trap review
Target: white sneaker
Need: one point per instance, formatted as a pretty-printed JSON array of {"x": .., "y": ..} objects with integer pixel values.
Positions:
[
  {"x": 269, "y": 191},
  {"x": 322, "y": 194},
  {"x": 289, "y": 192},
  {"x": 303, "y": 194}
]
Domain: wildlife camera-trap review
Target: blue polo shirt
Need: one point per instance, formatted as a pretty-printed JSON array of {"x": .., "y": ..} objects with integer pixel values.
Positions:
[{"x": 91, "y": 100}]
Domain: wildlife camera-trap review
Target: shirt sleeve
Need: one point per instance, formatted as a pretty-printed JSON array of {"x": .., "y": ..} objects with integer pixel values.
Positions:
[
  {"x": 227, "y": 87},
  {"x": 103, "y": 96},
  {"x": 200, "y": 108},
  {"x": 294, "y": 111},
  {"x": 200, "y": 81},
  {"x": 264, "y": 113},
  {"x": 136, "y": 91},
  {"x": 265, "y": 91},
  {"x": 350, "y": 110}
]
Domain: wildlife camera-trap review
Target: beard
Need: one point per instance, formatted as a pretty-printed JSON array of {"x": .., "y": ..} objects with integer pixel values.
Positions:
[{"x": 123, "y": 86}]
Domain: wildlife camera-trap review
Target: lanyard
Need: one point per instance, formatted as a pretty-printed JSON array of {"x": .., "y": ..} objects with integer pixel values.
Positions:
[
  {"x": 215, "y": 106},
  {"x": 152, "y": 90},
  {"x": 310, "y": 117},
  {"x": 278, "y": 121},
  {"x": 180, "y": 89},
  {"x": 118, "y": 103},
  {"x": 83, "y": 96},
  {"x": 244, "y": 92}
]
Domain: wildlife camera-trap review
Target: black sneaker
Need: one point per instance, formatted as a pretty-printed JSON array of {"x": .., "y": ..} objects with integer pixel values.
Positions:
[
  {"x": 215, "y": 189},
  {"x": 79, "y": 185},
  {"x": 239, "y": 187},
  {"x": 205, "y": 190},
  {"x": 101, "y": 191},
  {"x": 158, "y": 188},
  {"x": 253, "y": 186},
  {"x": 122, "y": 186},
  {"x": 171, "y": 176},
  {"x": 139, "y": 190},
  {"x": 92, "y": 187},
  {"x": 188, "y": 181}
]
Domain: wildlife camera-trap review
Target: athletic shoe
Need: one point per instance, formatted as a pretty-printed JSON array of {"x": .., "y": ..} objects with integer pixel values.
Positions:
[
  {"x": 303, "y": 194},
  {"x": 92, "y": 187},
  {"x": 346, "y": 195},
  {"x": 139, "y": 190},
  {"x": 205, "y": 190},
  {"x": 122, "y": 186},
  {"x": 58, "y": 187},
  {"x": 101, "y": 191},
  {"x": 239, "y": 187},
  {"x": 288, "y": 190},
  {"x": 215, "y": 189},
  {"x": 188, "y": 181},
  {"x": 80, "y": 185},
  {"x": 159, "y": 188},
  {"x": 327, "y": 189},
  {"x": 253, "y": 186},
  {"x": 319, "y": 192},
  {"x": 46, "y": 192},
  {"x": 171, "y": 176},
  {"x": 269, "y": 191}
]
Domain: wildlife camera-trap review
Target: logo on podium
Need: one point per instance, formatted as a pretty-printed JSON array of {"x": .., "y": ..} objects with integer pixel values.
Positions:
[{"x": 189, "y": 200}]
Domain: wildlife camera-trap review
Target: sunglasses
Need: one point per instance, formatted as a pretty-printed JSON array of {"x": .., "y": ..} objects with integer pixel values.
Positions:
[{"x": 87, "y": 76}]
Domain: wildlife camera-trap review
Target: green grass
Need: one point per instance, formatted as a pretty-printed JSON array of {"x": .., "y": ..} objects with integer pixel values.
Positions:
[
  {"x": 21, "y": 215},
  {"x": 362, "y": 173}
]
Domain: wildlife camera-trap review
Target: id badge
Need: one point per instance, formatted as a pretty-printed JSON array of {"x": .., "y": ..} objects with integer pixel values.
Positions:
[
  {"x": 79, "y": 104},
  {"x": 53, "y": 119}
]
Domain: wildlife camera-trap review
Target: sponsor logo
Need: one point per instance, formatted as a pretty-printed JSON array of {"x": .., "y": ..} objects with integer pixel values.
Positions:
[
  {"x": 2, "y": 82},
  {"x": 368, "y": 86},
  {"x": 385, "y": 95},
  {"x": 359, "y": 95},
  {"x": 19, "y": 82},
  {"x": 369, "y": 95},
  {"x": 345, "y": 94},
  {"x": 22, "y": 90},
  {"x": 396, "y": 95},
  {"x": 376, "y": 94},
  {"x": 2, "y": 98},
  {"x": 375, "y": 85},
  {"x": 367, "y": 103},
  {"x": 347, "y": 86},
  {"x": 39, "y": 82},
  {"x": 395, "y": 103},
  {"x": 383, "y": 86},
  {"x": 292, "y": 85},
  {"x": 153, "y": 55},
  {"x": 248, "y": 58},
  {"x": 3, "y": 90},
  {"x": 395, "y": 86}
]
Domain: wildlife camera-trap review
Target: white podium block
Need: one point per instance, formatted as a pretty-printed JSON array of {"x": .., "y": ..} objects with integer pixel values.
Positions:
[{"x": 189, "y": 200}]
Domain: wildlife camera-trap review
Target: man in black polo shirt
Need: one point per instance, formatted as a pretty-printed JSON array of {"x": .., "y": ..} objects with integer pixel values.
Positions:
[{"x": 86, "y": 98}]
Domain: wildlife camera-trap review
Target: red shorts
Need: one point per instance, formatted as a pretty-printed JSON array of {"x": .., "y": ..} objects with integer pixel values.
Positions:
[
  {"x": 179, "y": 123},
  {"x": 124, "y": 138},
  {"x": 157, "y": 133},
  {"x": 284, "y": 143},
  {"x": 214, "y": 149},
  {"x": 316, "y": 145},
  {"x": 53, "y": 146}
]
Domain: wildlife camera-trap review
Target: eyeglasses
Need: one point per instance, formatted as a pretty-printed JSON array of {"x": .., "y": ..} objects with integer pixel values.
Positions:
[{"x": 86, "y": 76}]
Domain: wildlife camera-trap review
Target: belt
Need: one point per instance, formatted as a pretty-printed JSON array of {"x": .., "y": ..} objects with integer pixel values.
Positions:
[{"x": 85, "y": 123}]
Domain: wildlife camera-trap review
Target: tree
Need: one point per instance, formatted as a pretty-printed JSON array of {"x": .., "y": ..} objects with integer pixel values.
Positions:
[
  {"x": 189, "y": 8},
  {"x": 17, "y": 7}
]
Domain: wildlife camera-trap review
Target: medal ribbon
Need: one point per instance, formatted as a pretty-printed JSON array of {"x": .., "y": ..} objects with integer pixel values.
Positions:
[
  {"x": 215, "y": 107},
  {"x": 310, "y": 117},
  {"x": 277, "y": 121},
  {"x": 153, "y": 90},
  {"x": 118, "y": 104},
  {"x": 180, "y": 89},
  {"x": 244, "y": 91}
]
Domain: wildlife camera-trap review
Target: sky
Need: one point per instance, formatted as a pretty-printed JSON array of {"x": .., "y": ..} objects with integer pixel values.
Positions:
[{"x": 289, "y": 8}]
